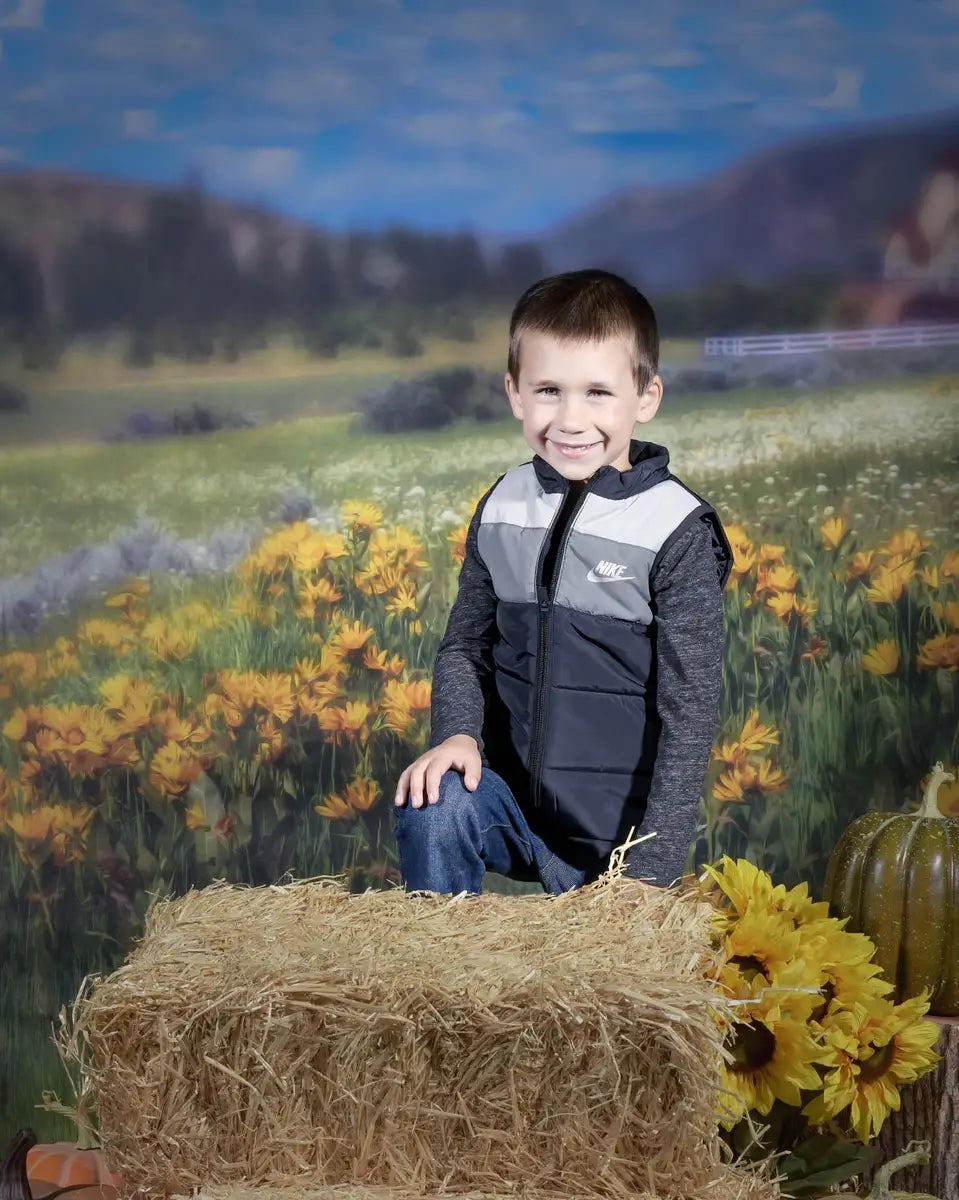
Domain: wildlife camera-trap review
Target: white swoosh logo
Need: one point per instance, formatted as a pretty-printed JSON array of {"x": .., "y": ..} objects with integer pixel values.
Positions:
[{"x": 594, "y": 578}]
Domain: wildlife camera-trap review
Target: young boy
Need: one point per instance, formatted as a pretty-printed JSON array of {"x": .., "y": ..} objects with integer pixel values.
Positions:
[{"x": 576, "y": 689}]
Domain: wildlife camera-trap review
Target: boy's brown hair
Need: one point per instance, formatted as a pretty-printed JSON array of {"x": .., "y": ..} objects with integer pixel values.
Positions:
[{"x": 589, "y": 305}]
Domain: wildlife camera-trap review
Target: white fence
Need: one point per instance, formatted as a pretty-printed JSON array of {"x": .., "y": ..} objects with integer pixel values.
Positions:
[{"x": 834, "y": 339}]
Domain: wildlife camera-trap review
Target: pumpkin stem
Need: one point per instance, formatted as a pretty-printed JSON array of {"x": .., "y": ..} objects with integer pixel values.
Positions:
[
  {"x": 14, "y": 1184},
  {"x": 930, "y": 800},
  {"x": 916, "y": 1155}
]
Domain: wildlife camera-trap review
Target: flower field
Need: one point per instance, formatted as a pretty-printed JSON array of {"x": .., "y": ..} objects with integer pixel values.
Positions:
[{"x": 252, "y": 722}]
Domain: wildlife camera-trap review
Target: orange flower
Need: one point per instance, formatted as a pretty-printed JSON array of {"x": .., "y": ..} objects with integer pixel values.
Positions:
[
  {"x": 335, "y": 808},
  {"x": 882, "y": 659},
  {"x": 818, "y": 649},
  {"x": 195, "y": 816},
  {"x": 238, "y": 689},
  {"x": 274, "y": 694},
  {"x": 782, "y": 604},
  {"x": 861, "y": 564},
  {"x": 360, "y": 516},
  {"x": 352, "y": 638},
  {"x": 16, "y": 726},
  {"x": 779, "y": 577},
  {"x": 404, "y": 601},
  {"x": 361, "y": 794},
  {"x": 173, "y": 769},
  {"x": 107, "y": 635},
  {"x": 70, "y": 828},
  {"x": 31, "y": 831},
  {"x": 939, "y": 653},
  {"x": 950, "y": 565},
  {"x": 312, "y": 594},
  {"x": 906, "y": 544},
  {"x": 948, "y": 613},
  {"x": 185, "y": 731},
  {"x": 931, "y": 578},
  {"x": 271, "y": 741},
  {"x": 457, "y": 541},
  {"x": 132, "y": 599},
  {"x": 833, "y": 531},
  {"x": 755, "y": 735},
  {"x": 889, "y": 583},
  {"x": 349, "y": 723}
]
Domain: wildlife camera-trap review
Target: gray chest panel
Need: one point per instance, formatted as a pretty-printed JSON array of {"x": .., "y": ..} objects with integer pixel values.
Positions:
[{"x": 609, "y": 551}]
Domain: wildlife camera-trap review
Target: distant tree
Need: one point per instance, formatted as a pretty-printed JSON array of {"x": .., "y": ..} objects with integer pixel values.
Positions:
[
  {"x": 21, "y": 289},
  {"x": 519, "y": 266},
  {"x": 103, "y": 280},
  {"x": 315, "y": 287}
]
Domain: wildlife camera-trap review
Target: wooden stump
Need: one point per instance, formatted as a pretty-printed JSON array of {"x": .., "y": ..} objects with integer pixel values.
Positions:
[{"x": 929, "y": 1112}]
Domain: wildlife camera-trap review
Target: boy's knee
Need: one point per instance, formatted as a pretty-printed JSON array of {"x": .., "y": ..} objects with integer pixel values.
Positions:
[{"x": 453, "y": 809}]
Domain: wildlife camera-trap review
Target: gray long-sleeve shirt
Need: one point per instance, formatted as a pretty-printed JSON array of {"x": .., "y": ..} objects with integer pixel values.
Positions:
[{"x": 688, "y": 635}]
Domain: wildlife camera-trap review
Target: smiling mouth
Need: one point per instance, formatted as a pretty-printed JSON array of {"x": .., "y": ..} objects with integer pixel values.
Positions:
[{"x": 572, "y": 449}]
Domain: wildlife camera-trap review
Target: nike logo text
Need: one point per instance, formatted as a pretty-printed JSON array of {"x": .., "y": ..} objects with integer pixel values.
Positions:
[{"x": 608, "y": 572}]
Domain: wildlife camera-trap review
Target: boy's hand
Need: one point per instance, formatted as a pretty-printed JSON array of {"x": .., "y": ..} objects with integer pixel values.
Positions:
[{"x": 421, "y": 780}]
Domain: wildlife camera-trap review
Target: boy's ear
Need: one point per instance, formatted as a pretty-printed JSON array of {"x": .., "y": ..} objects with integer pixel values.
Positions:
[
  {"x": 650, "y": 400},
  {"x": 512, "y": 393}
]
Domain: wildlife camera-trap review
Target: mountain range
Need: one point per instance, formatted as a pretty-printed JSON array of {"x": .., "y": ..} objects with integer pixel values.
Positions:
[{"x": 811, "y": 205}]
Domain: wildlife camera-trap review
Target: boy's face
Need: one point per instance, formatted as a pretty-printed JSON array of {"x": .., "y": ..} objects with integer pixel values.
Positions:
[{"x": 579, "y": 403}]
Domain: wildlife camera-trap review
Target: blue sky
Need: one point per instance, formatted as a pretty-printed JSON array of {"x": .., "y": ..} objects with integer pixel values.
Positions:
[{"x": 497, "y": 115}]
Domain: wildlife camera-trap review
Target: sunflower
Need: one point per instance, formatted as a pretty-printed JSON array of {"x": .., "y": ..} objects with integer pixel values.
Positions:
[
  {"x": 873, "y": 1049},
  {"x": 773, "y": 1056}
]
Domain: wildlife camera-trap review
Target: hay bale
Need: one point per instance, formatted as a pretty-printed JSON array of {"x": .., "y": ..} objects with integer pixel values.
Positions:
[
  {"x": 727, "y": 1184},
  {"x": 299, "y": 1036}
]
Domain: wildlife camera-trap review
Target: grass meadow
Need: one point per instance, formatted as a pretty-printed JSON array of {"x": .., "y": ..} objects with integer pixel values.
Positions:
[{"x": 252, "y": 722}]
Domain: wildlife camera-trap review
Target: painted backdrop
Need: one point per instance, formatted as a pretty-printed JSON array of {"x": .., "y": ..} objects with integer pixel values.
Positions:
[{"x": 256, "y": 263}]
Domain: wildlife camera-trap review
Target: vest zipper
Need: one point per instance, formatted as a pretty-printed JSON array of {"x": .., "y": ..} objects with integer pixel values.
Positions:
[{"x": 545, "y": 604}]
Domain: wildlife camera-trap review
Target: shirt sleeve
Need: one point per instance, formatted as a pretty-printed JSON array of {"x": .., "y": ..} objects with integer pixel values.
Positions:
[
  {"x": 464, "y": 662},
  {"x": 689, "y": 636}
]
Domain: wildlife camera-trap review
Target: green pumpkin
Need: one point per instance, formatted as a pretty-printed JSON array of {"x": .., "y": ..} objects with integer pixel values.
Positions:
[{"x": 896, "y": 877}]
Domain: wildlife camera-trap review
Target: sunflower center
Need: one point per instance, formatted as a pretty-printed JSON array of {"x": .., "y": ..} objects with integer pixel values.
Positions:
[
  {"x": 829, "y": 993},
  {"x": 749, "y": 965},
  {"x": 878, "y": 1063},
  {"x": 753, "y": 1047}
]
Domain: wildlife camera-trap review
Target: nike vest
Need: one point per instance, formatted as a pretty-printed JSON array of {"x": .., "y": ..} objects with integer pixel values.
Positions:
[{"x": 568, "y": 723}]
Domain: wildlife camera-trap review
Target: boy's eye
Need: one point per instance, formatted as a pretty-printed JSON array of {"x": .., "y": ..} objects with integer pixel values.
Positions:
[{"x": 551, "y": 391}]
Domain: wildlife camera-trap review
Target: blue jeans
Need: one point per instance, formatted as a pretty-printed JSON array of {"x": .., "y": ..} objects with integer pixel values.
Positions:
[{"x": 448, "y": 846}]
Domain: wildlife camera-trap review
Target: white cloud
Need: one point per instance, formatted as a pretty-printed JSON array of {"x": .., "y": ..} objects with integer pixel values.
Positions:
[
  {"x": 246, "y": 166},
  {"x": 845, "y": 93},
  {"x": 139, "y": 122},
  {"x": 28, "y": 14},
  {"x": 669, "y": 59}
]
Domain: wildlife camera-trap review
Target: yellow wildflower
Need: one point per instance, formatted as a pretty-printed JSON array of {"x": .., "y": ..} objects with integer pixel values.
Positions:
[
  {"x": 882, "y": 659},
  {"x": 335, "y": 808},
  {"x": 361, "y": 794},
  {"x": 173, "y": 769},
  {"x": 833, "y": 531},
  {"x": 939, "y": 653},
  {"x": 360, "y": 516},
  {"x": 404, "y": 601}
]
